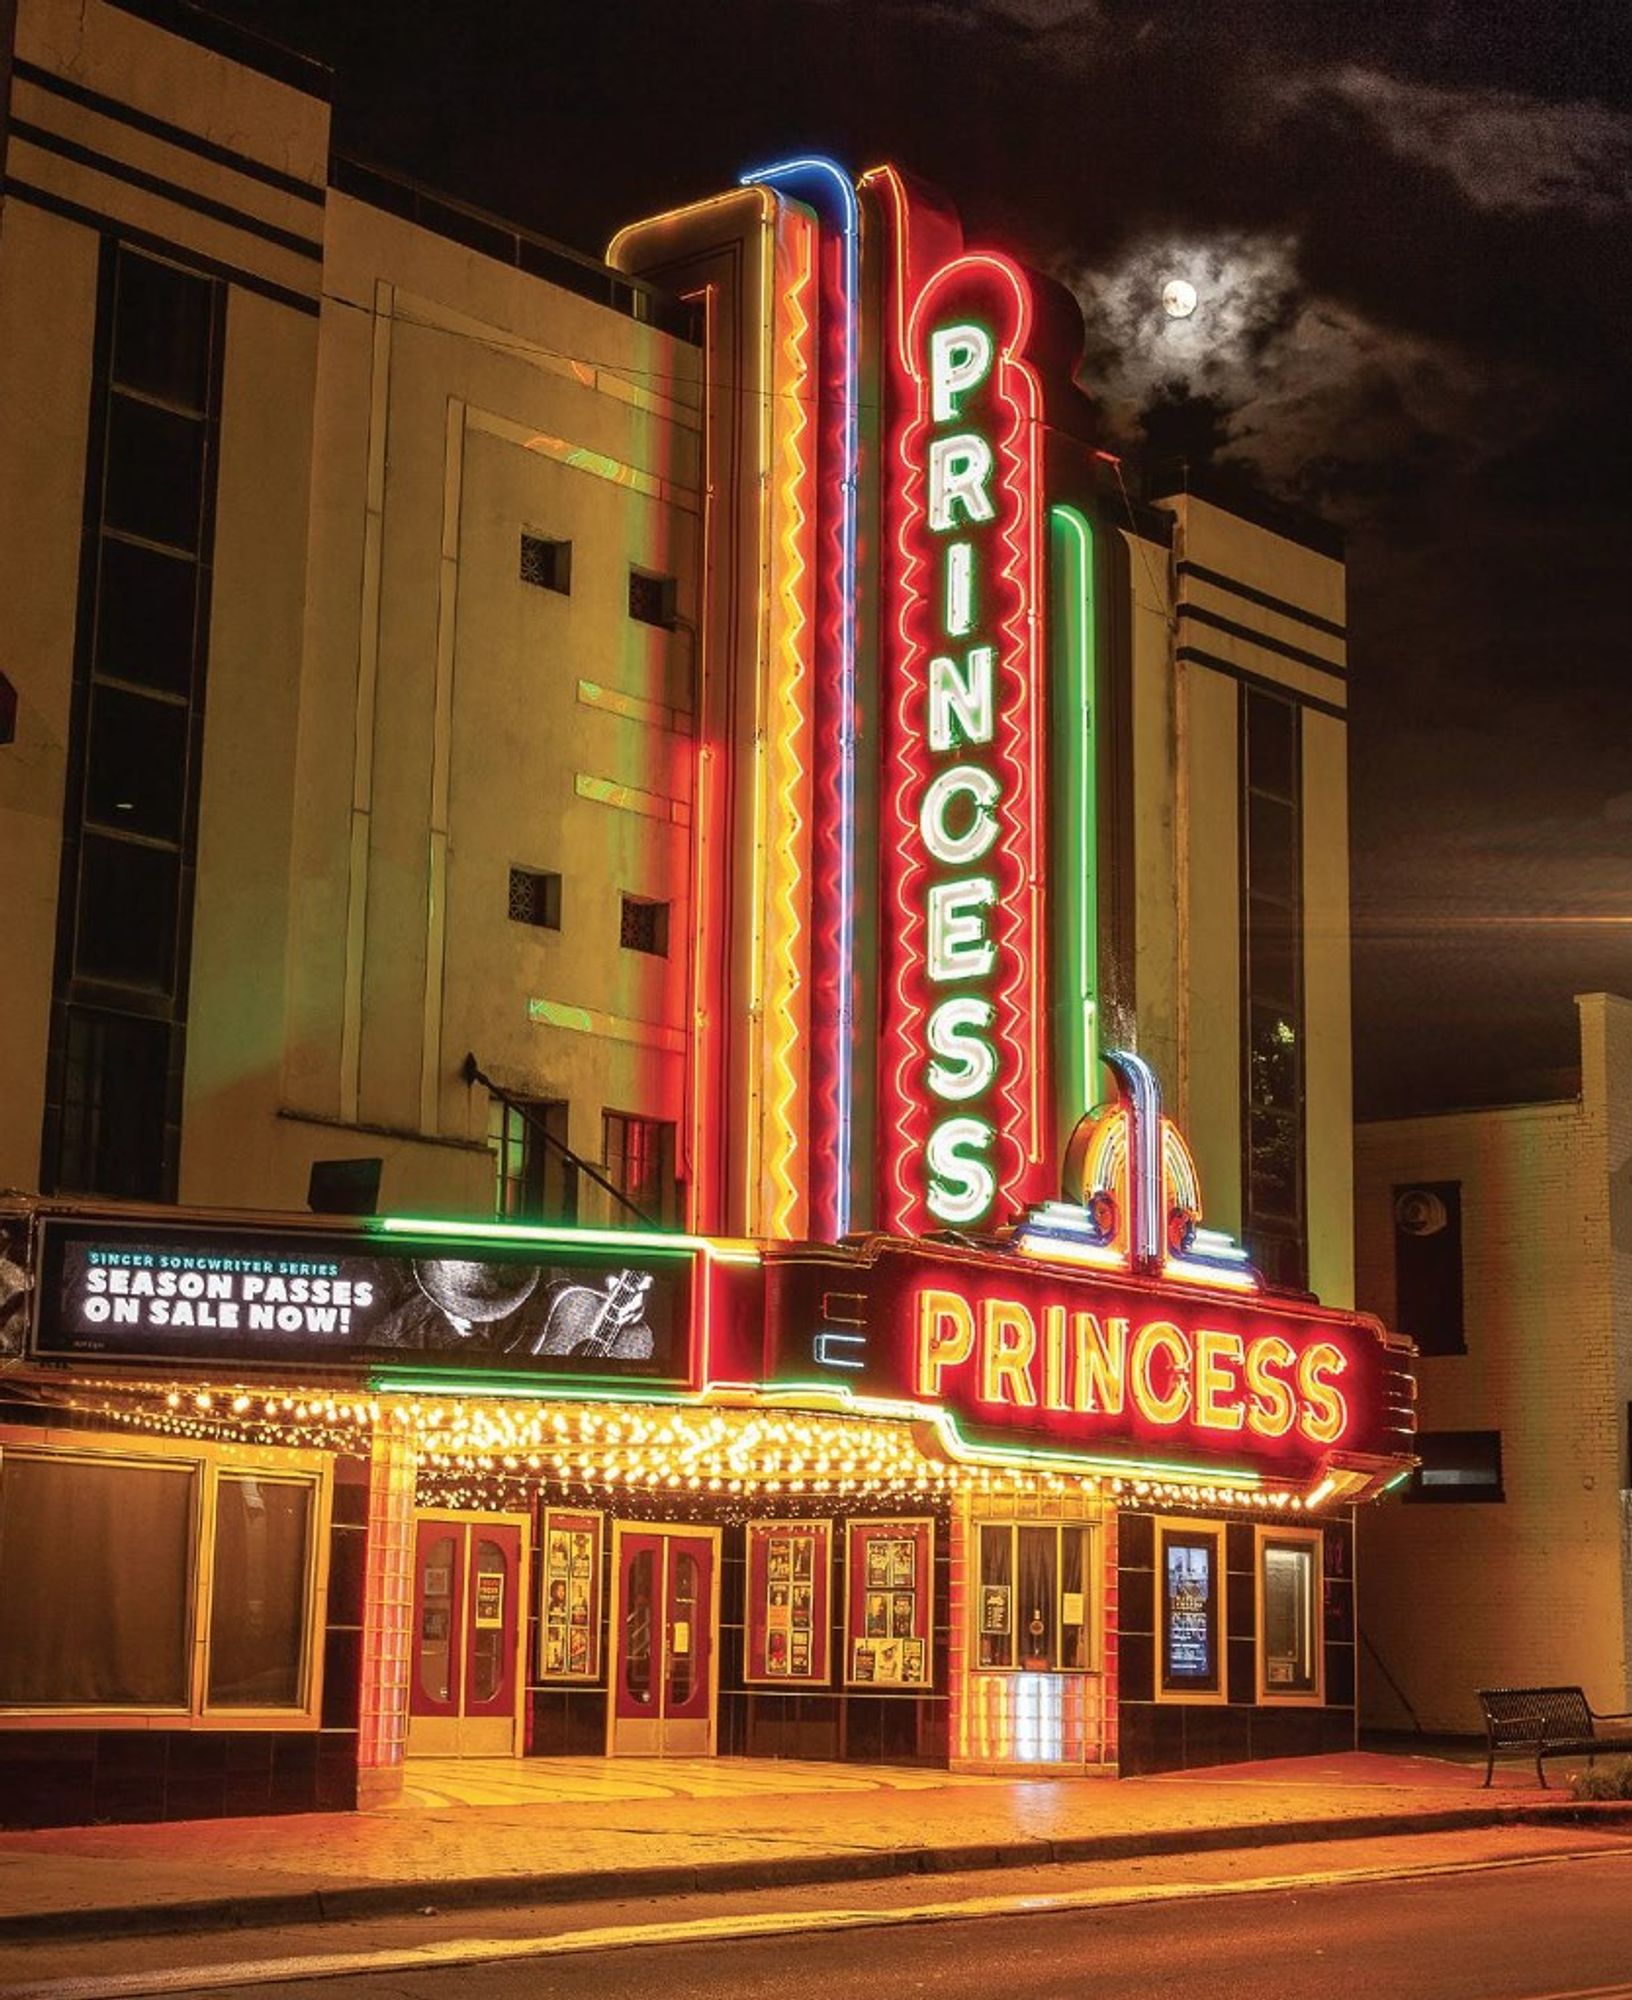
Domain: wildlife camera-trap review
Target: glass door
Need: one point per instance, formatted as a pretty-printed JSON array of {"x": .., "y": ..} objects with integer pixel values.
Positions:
[
  {"x": 664, "y": 1636},
  {"x": 464, "y": 1695}
]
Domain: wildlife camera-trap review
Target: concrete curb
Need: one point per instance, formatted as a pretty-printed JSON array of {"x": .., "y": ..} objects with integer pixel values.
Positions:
[{"x": 475, "y": 1892}]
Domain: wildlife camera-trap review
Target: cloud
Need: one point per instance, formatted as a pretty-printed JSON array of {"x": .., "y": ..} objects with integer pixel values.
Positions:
[
  {"x": 1327, "y": 406},
  {"x": 1505, "y": 151}
]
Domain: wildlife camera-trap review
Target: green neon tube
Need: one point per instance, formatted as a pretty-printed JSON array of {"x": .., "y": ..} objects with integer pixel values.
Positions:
[{"x": 1071, "y": 546}]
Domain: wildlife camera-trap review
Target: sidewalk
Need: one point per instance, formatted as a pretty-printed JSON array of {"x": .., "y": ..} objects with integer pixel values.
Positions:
[{"x": 590, "y": 1830}]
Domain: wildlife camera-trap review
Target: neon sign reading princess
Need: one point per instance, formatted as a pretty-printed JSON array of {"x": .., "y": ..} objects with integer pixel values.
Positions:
[
  {"x": 957, "y": 820},
  {"x": 969, "y": 1051}
]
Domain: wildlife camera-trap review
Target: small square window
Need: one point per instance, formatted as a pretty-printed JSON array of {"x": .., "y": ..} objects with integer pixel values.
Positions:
[
  {"x": 652, "y": 599},
  {"x": 645, "y": 926},
  {"x": 546, "y": 564},
  {"x": 535, "y": 898}
]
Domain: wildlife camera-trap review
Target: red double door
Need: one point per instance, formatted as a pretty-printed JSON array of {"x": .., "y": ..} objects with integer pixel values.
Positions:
[
  {"x": 664, "y": 1631},
  {"x": 465, "y": 1692}
]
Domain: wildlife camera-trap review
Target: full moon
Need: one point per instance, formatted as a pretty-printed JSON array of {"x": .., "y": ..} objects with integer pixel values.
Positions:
[{"x": 1178, "y": 298}]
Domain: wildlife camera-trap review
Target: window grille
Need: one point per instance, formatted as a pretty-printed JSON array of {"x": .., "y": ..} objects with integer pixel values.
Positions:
[
  {"x": 644, "y": 926},
  {"x": 535, "y": 898}
]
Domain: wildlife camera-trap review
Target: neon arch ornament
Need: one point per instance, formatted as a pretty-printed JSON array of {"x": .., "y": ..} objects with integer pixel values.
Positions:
[{"x": 1132, "y": 1195}]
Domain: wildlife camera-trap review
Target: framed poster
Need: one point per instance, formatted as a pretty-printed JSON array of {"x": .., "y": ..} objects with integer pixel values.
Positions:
[
  {"x": 889, "y": 1603},
  {"x": 1190, "y": 1622},
  {"x": 569, "y": 1594},
  {"x": 789, "y": 1609}
]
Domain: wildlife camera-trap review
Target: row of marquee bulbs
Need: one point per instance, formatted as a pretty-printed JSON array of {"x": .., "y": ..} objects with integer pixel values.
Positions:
[{"x": 695, "y": 1450}]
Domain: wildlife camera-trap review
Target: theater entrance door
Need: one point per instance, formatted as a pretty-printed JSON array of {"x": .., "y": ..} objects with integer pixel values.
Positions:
[
  {"x": 665, "y": 1641},
  {"x": 470, "y": 1625}
]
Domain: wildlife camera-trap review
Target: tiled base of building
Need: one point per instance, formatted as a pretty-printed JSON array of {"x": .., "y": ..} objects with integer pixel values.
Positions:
[
  {"x": 79, "y": 1777},
  {"x": 1165, "y": 1736}
]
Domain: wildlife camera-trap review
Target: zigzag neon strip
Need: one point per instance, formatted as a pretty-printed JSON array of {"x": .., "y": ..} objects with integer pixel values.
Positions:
[
  {"x": 828, "y": 190},
  {"x": 786, "y": 990}
]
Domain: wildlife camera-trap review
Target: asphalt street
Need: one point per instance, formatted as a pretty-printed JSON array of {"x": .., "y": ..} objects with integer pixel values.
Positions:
[{"x": 1554, "y": 1929}]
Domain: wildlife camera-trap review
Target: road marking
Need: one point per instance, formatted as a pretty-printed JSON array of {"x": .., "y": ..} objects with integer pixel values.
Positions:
[
  {"x": 1619, "y": 1991},
  {"x": 229, "y": 1978}
]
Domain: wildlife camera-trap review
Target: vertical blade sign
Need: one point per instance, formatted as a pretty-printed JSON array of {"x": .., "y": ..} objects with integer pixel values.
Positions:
[{"x": 965, "y": 1057}]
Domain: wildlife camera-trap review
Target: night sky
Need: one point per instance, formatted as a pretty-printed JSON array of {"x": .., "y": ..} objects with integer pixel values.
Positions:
[{"x": 1408, "y": 224}]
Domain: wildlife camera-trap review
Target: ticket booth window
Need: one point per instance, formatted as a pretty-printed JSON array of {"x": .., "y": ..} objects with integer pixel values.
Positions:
[
  {"x": 1289, "y": 1596},
  {"x": 1035, "y": 1602}
]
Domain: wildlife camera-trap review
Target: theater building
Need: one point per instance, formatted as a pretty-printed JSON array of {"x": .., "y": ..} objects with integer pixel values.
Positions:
[{"x": 688, "y": 789}]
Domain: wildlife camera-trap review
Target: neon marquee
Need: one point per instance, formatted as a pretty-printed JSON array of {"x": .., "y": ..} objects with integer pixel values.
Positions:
[
  {"x": 1070, "y": 1362},
  {"x": 1026, "y": 1356}
]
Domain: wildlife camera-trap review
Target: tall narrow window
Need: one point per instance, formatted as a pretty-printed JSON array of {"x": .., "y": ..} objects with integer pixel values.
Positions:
[
  {"x": 1273, "y": 1216},
  {"x": 129, "y": 836},
  {"x": 258, "y": 1614},
  {"x": 1428, "y": 1265},
  {"x": 638, "y": 1155},
  {"x": 535, "y": 1181}
]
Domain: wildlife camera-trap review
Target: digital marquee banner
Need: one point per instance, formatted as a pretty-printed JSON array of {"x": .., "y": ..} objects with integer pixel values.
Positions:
[{"x": 249, "y": 1296}]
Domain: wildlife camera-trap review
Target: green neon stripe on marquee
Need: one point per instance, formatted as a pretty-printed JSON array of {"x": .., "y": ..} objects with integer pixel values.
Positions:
[
  {"x": 522, "y": 1388},
  {"x": 1071, "y": 544},
  {"x": 566, "y": 1238}
]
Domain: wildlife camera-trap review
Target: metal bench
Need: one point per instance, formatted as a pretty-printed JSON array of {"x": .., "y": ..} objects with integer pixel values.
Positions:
[{"x": 1550, "y": 1722}]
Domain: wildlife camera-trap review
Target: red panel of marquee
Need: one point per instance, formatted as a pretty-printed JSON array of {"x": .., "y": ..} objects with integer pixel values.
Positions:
[{"x": 936, "y": 287}]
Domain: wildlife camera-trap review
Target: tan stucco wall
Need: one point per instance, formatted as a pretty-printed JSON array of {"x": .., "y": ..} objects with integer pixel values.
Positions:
[
  {"x": 47, "y": 319},
  {"x": 452, "y": 716}
]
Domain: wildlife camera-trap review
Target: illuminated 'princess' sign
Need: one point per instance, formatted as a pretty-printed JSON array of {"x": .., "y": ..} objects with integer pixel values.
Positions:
[
  {"x": 965, "y": 1057},
  {"x": 1065, "y": 1361}
]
